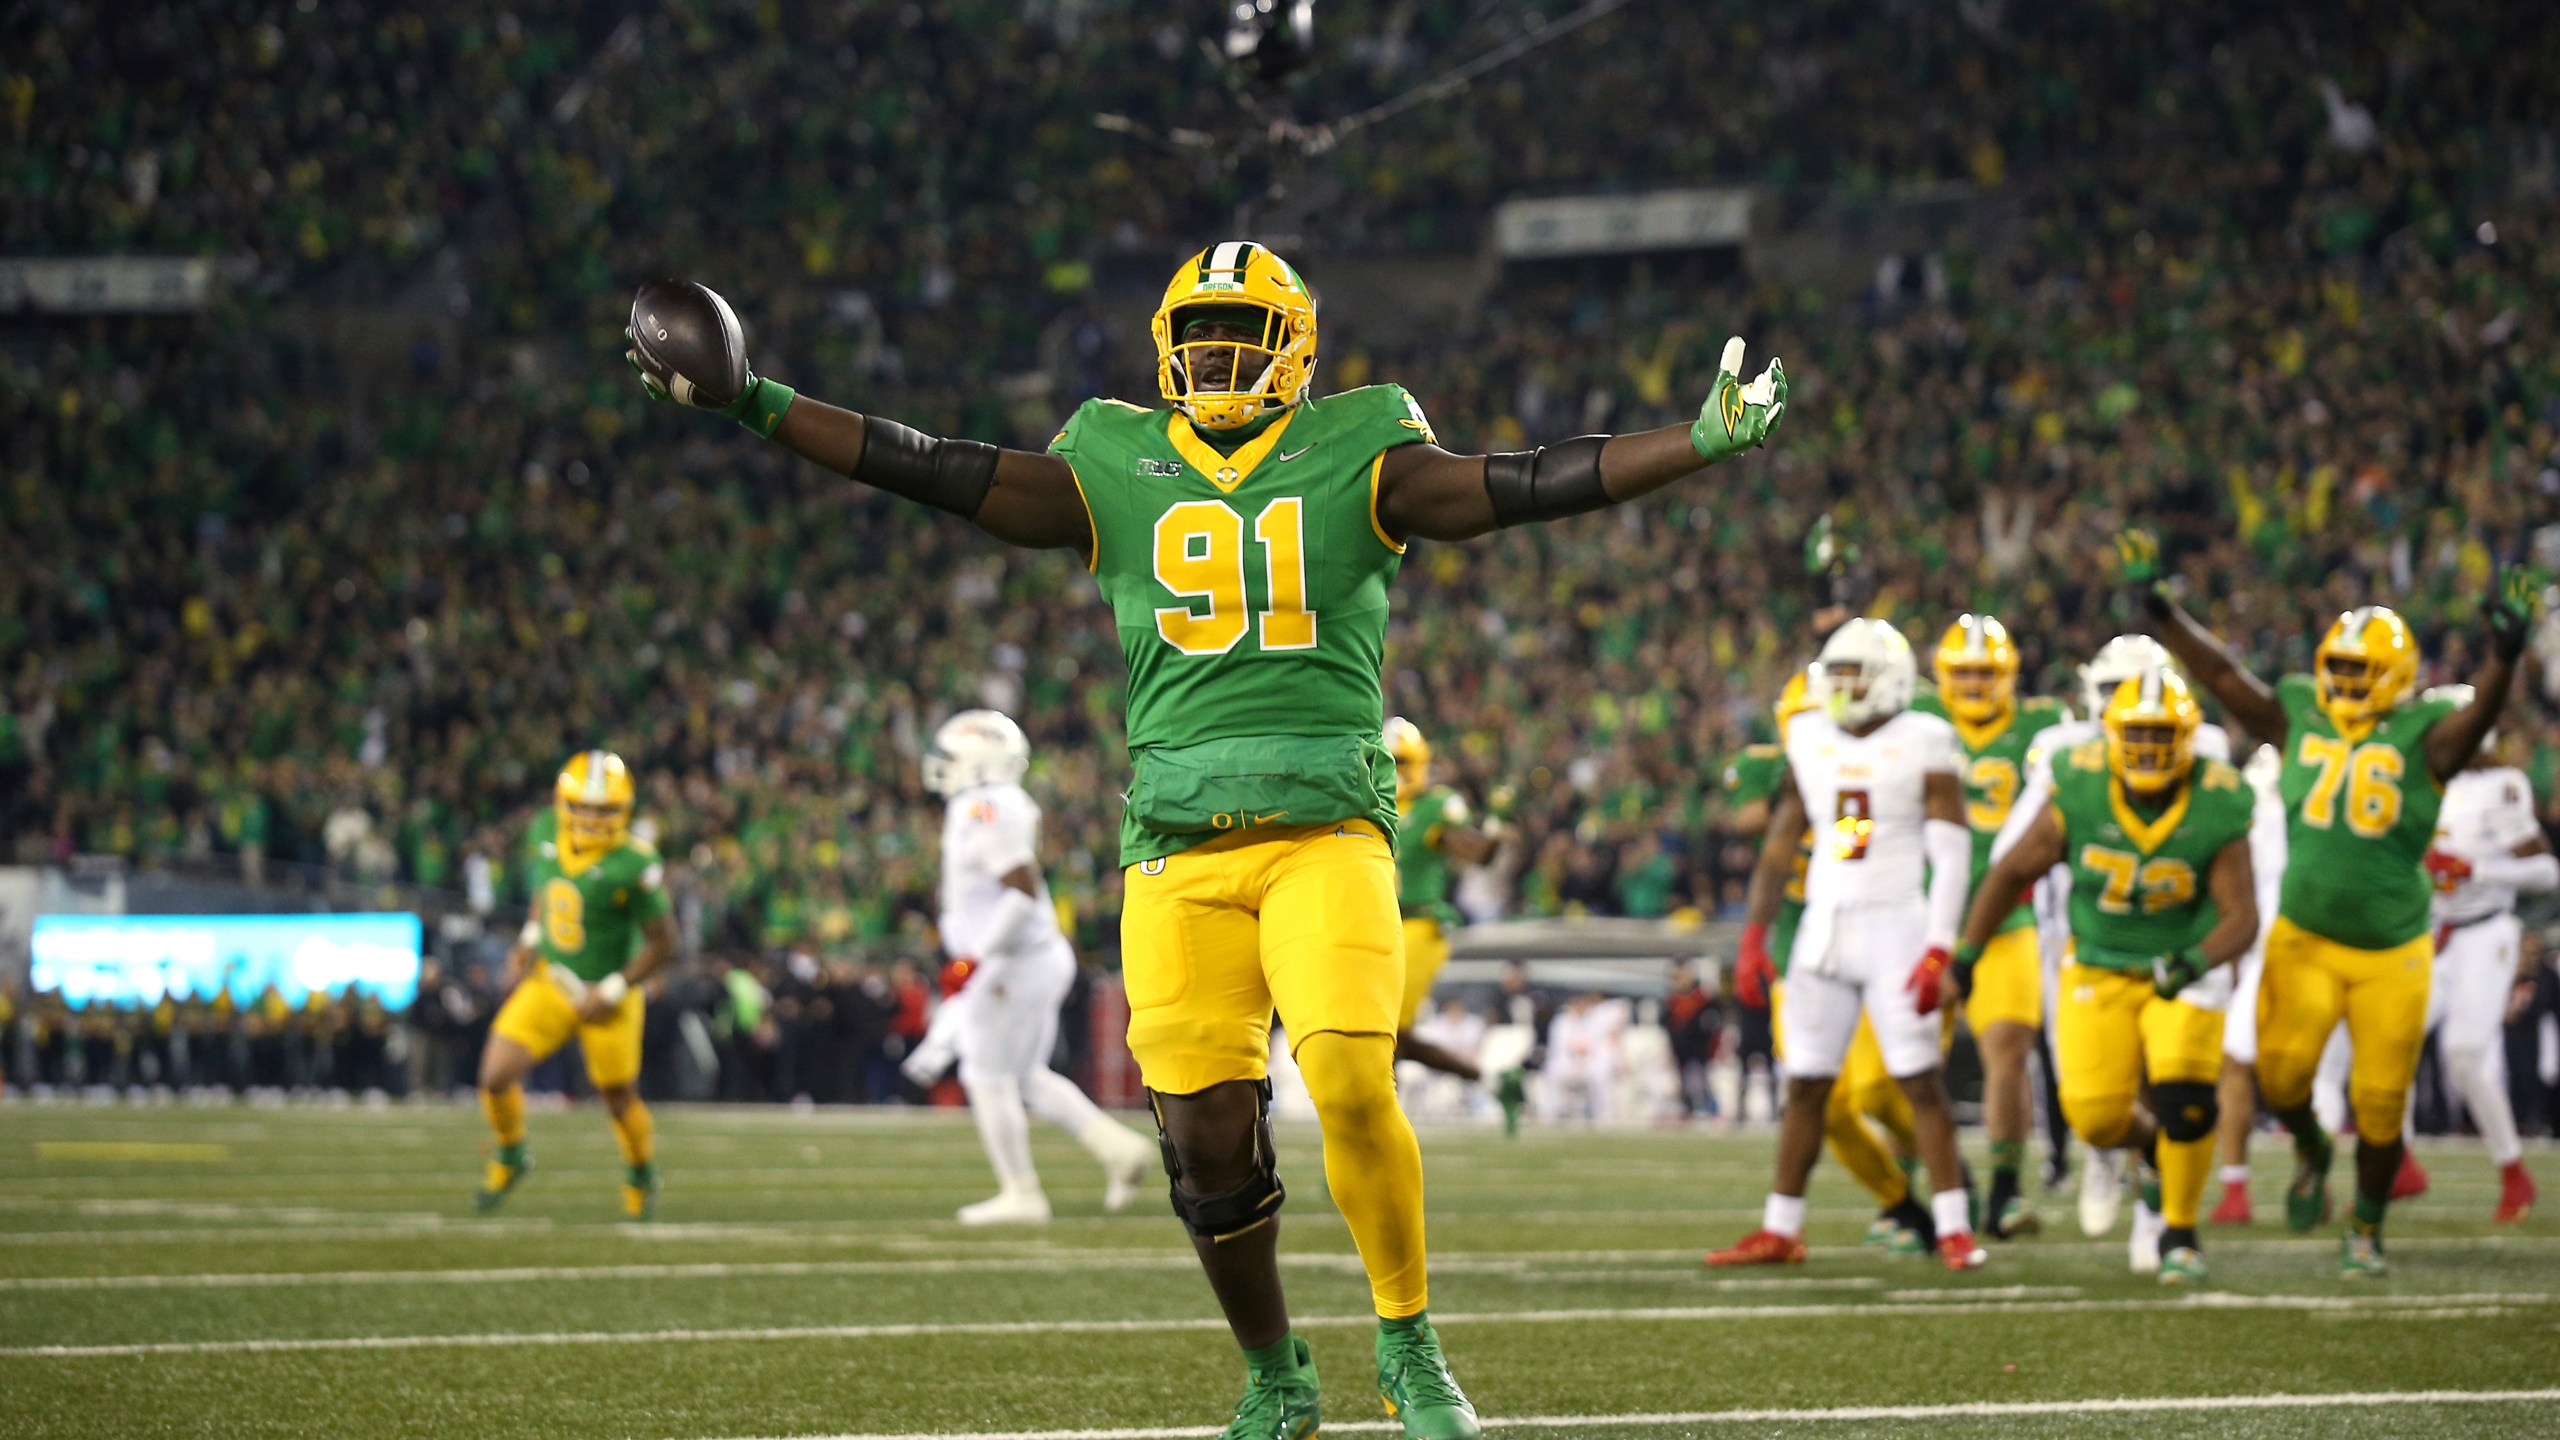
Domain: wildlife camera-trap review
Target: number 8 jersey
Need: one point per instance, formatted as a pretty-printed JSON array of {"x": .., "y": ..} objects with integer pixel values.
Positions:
[
  {"x": 1865, "y": 803},
  {"x": 1249, "y": 589},
  {"x": 2359, "y": 814}
]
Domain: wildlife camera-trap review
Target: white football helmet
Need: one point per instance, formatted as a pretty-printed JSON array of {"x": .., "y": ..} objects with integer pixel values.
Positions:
[
  {"x": 974, "y": 748},
  {"x": 1882, "y": 673},
  {"x": 2117, "y": 661}
]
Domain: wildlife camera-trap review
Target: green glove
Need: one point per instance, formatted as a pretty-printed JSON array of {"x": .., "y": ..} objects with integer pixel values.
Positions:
[
  {"x": 1737, "y": 416},
  {"x": 2138, "y": 567},
  {"x": 759, "y": 406},
  {"x": 2175, "y": 972},
  {"x": 2513, "y": 602}
]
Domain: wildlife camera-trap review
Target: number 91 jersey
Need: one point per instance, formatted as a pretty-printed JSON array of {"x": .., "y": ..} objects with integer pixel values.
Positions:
[
  {"x": 2359, "y": 815},
  {"x": 1865, "y": 803},
  {"x": 1249, "y": 587}
]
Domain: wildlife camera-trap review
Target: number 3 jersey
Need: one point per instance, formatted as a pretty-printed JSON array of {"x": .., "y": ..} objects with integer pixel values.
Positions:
[
  {"x": 1249, "y": 588},
  {"x": 1865, "y": 805},
  {"x": 2359, "y": 814}
]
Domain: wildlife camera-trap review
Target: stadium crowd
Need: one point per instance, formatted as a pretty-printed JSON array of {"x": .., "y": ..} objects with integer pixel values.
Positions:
[{"x": 256, "y": 607}]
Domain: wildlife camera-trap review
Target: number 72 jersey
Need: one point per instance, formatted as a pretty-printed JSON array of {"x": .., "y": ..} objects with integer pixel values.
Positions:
[
  {"x": 2359, "y": 815},
  {"x": 1249, "y": 587}
]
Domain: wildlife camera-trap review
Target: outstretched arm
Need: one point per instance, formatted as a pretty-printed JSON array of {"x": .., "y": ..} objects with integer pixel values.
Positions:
[
  {"x": 1018, "y": 497},
  {"x": 2250, "y": 700},
  {"x": 1427, "y": 491},
  {"x": 2453, "y": 740}
]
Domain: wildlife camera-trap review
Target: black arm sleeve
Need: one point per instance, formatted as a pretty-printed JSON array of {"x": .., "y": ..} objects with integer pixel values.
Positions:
[
  {"x": 1547, "y": 483},
  {"x": 952, "y": 475}
]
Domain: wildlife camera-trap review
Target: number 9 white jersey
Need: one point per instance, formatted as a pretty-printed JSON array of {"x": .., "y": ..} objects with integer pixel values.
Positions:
[{"x": 1866, "y": 800}]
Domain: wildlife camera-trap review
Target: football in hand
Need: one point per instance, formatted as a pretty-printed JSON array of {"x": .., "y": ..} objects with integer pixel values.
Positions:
[{"x": 689, "y": 337}]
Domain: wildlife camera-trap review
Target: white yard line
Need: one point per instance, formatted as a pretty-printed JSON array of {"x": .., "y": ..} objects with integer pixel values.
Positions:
[
  {"x": 2393, "y": 1306},
  {"x": 1976, "y": 1410}
]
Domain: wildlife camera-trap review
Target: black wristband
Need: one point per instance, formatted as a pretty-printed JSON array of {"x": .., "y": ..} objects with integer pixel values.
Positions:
[
  {"x": 1547, "y": 483},
  {"x": 952, "y": 475},
  {"x": 2155, "y": 601}
]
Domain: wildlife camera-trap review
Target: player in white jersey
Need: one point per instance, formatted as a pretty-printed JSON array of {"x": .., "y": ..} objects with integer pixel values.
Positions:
[
  {"x": 1883, "y": 896},
  {"x": 2488, "y": 848},
  {"x": 997, "y": 917},
  {"x": 2238, "y": 1090}
]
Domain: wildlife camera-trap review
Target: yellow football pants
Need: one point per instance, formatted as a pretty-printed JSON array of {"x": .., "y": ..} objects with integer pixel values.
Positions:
[
  {"x": 2112, "y": 1033},
  {"x": 1302, "y": 918},
  {"x": 2008, "y": 982},
  {"x": 539, "y": 1017},
  {"x": 1426, "y": 949},
  {"x": 2308, "y": 985}
]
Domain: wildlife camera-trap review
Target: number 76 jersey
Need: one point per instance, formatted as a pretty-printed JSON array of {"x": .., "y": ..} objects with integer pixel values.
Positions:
[
  {"x": 1249, "y": 587},
  {"x": 2359, "y": 815},
  {"x": 1866, "y": 801}
]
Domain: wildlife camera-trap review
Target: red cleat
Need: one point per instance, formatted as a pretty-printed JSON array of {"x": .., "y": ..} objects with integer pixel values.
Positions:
[
  {"x": 2234, "y": 1209},
  {"x": 2411, "y": 1182},
  {"x": 1958, "y": 1252},
  {"x": 1760, "y": 1247},
  {"x": 2515, "y": 1193}
]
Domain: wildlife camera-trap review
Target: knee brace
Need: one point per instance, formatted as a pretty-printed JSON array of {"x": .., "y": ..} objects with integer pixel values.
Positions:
[
  {"x": 1248, "y": 1206},
  {"x": 2186, "y": 1109}
]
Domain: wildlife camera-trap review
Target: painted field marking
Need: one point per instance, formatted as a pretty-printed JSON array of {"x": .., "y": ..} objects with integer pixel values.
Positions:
[
  {"x": 2390, "y": 1306},
  {"x": 167, "y": 1152},
  {"x": 1978, "y": 1409}
]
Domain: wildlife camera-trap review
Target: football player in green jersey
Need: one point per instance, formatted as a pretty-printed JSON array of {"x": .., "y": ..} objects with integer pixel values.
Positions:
[
  {"x": 2003, "y": 992},
  {"x": 1432, "y": 828},
  {"x": 599, "y": 928},
  {"x": 2161, "y": 898},
  {"x": 1244, "y": 532},
  {"x": 2365, "y": 765}
]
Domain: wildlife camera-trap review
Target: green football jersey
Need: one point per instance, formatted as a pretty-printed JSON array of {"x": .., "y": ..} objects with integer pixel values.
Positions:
[
  {"x": 1756, "y": 774},
  {"x": 1422, "y": 872},
  {"x": 1995, "y": 772},
  {"x": 2138, "y": 881},
  {"x": 2359, "y": 815},
  {"x": 1249, "y": 588},
  {"x": 590, "y": 918}
]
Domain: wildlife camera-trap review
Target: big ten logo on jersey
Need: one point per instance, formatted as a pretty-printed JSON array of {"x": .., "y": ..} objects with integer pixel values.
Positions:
[{"x": 1161, "y": 469}]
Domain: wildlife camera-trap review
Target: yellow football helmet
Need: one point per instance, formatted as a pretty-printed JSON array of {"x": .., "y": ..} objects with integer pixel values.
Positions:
[
  {"x": 1242, "y": 282},
  {"x": 2380, "y": 640},
  {"x": 2151, "y": 724},
  {"x": 593, "y": 798},
  {"x": 1977, "y": 669},
  {"x": 1792, "y": 702},
  {"x": 1413, "y": 757}
]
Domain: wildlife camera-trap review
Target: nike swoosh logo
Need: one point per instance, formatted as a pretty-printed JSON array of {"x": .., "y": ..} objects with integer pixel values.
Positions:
[
  {"x": 1276, "y": 814},
  {"x": 1284, "y": 457}
]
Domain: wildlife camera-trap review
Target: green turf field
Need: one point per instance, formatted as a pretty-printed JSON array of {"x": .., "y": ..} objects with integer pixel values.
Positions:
[{"x": 269, "y": 1272}]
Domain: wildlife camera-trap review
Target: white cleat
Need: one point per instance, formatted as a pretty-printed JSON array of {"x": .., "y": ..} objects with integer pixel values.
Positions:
[
  {"x": 1012, "y": 1207},
  {"x": 2142, "y": 1251},
  {"x": 1123, "y": 1177},
  {"x": 2101, "y": 1191}
]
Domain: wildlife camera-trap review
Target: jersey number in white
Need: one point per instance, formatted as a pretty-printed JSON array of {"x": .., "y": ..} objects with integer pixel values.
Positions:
[{"x": 1200, "y": 556}]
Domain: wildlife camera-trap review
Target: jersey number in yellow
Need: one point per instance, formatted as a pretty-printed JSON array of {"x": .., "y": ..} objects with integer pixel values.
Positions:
[
  {"x": 1200, "y": 556},
  {"x": 2161, "y": 883},
  {"x": 1994, "y": 782},
  {"x": 2370, "y": 774},
  {"x": 564, "y": 916}
]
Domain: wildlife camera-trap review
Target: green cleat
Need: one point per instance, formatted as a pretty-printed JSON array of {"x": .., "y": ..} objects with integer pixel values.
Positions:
[
  {"x": 640, "y": 1192},
  {"x": 1414, "y": 1381},
  {"x": 1880, "y": 1233},
  {"x": 2360, "y": 1256},
  {"x": 2306, "y": 1200},
  {"x": 1280, "y": 1402},
  {"x": 2183, "y": 1265},
  {"x": 506, "y": 1169},
  {"x": 2018, "y": 1220},
  {"x": 1511, "y": 1091},
  {"x": 1907, "y": 1241}
]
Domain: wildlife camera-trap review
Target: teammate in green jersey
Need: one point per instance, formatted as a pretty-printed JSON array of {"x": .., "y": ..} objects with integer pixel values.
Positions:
[
  {"x": 1244, "y": 533},
  {"x": 2161, "y": 898},
  {"x": 1977, "y": 672},
  {"x": 2365, "y": 764},
  {"x": 1433, "y": 827},
  {"x": 599, "y": 928}
]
